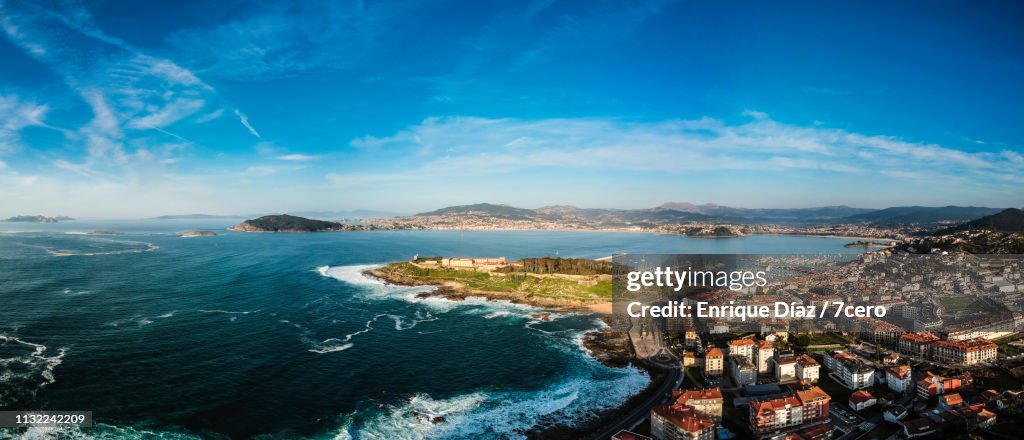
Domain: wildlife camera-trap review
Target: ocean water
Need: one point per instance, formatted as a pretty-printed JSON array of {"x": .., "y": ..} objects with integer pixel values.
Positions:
[{"x": 281, "y": 335}]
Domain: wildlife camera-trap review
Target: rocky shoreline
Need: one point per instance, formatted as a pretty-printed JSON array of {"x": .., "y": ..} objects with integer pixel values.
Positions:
[
  {"x": 609, "y": 346},
  {"x": 456, "y": 291}
]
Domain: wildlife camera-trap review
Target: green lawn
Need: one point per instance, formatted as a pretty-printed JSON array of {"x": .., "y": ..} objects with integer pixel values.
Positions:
[
  {"x": 961, "y": 303},
  {"x": 533, "y": 286}
]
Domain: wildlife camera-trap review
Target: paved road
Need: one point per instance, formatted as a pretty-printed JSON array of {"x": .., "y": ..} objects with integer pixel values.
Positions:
[{"x": 642, "y": 411}]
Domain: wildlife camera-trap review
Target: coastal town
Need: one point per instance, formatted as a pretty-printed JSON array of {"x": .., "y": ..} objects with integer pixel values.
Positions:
[
  {"x": 943, "y": 353},
  {"x": 945, "y": 360}
]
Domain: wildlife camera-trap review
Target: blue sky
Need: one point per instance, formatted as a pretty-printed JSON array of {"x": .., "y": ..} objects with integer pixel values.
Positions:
[{"x": 124, "y": 109}]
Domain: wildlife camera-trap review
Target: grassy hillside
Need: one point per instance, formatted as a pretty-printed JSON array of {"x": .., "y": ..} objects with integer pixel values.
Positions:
[{"x": 526, "y": 285}]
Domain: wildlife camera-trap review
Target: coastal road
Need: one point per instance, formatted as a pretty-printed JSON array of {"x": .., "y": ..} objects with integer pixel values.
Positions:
[{"x": 641, "y": 411}]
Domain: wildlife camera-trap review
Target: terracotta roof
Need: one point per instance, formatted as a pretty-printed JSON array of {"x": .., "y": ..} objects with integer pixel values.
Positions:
[
  {"x": 740, "y": 342},
  {"x": 899, "y": 372},
  {"x": 766, "y": 407},
  {"x": 953, "y": 399},
  {"x": 682, "y": 396},
  {"x": 807, "y": 360},
  {"x": 812, "y": 394},
  {"x": 714, "y": 351},
  {"x": 762, "y": 345},
  {"x": 683, "y": 417},
  {"x": 860, "y": 396},
  {"x": 967, "y": 346},
  {"x": 920, "y": 337}
]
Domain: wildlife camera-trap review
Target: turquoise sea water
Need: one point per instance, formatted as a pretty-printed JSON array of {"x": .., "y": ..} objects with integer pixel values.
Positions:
[{"x": 241, "y": 335}]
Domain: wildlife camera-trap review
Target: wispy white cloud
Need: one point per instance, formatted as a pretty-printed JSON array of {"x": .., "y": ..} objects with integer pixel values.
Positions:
[
  {"x": 678, "y": 146},
  {"x": 245, "y": 122},
  {"x": 296, "y": 157},
  {"x": 15, "y": 115},
  {"x": 129, "y": 91},
  {"x": 77, "y": 168},
  {"x": 755, "y": 114},
  {"x": 278, "y": 40}
]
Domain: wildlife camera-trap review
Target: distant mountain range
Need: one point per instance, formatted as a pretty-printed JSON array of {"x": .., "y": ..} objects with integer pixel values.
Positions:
[
  {"x": 1007, "y": 220},
  {"x": 687, "y": 212},
  {"x": 902, "y": 215}
]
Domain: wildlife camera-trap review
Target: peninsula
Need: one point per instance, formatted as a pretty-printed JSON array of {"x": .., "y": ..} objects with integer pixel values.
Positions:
[{"x": 565, "y": 283}]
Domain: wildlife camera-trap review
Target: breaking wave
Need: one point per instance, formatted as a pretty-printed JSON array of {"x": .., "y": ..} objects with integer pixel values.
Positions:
[{"x": 25, "y": 368}]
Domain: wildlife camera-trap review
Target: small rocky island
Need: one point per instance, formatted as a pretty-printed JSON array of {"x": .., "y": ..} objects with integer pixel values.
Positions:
[
  {"x": 37, "y": 219},
  {"x": 292, "y": 223},
  {"x": 198, "y": 233}
]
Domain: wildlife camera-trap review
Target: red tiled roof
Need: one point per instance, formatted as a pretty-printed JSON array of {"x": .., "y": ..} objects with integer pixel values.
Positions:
[
  {"x": 953, "y": 399},
  {"x": 714, "y": 351},
  {"x": 900, "y": 372},
  {"x": 967, "y": 346},
  {"x": 812, "y": 394},
  {"x": 860, "y": 396},
  {"x": 682, "y": 396},
  {"x": 683, "y": 417},
  {"x": 766, "y": 407},
  {"x": 920, "y": 337},
  {"x": 807, "y": 360}
]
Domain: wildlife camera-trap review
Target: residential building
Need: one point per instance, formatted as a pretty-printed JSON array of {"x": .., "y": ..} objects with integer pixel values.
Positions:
[
  {"x": 714, "y": 362},
  {"x": 967, "y": 352},
  {"x": 932, "y": 385},
  {"x": 741, "y": 347},
  {"x": 861, "y": 399},
  {"x": 898, "y": 378},
  {"x": 785, "y": 368},
  {"x": 918, "y": 428},
  {"x": 917, "y": 344},
  {"x": 949, "y": 401},
  {"x": 705, "y": 402},
  {"x": 763, "y": 353},
  {"x": 742, "y": 370},
  {"x": 850, "y": 370},
  {"x": 677, "y": 422},
  {"x": 784, "y": 414},
  {"x": 892, "y": 359},
  {"x": 689, "y": 358},
  {"x": 807, "y": 369}
]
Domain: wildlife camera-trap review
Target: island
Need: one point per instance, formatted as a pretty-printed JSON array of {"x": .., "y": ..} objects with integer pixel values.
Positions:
[
  {"x": 292, "y": 223},
  {"x": 37, "y": 219},
  {"x": 101, "y": 232},
  {"x": 197, "y": 233}
]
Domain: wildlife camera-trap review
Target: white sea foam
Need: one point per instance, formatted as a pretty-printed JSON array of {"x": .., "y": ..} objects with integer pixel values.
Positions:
[
  {"x": 351, "y": 274},
  {"x": 100, "y": 431},
  {"x": 495, "y": 414},
  {"x": 27, "y": 367},
  {"x": 229, "y": 312},
  {"x": 71, "y": 253}
]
